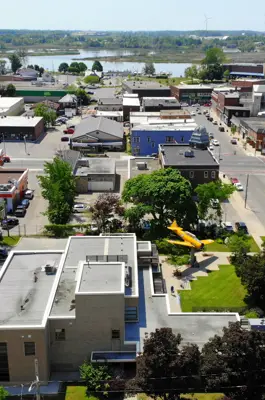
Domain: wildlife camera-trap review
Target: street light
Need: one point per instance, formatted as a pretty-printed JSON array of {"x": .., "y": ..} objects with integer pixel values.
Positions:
[
  {"x": 25, "y": 142},
  {"x": 4, "y": 143}
]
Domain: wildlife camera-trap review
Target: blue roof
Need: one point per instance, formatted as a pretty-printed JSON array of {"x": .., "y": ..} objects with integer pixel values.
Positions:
[
  {"x": 258, "y": 74},
  {"x": 114, "y": 356}
]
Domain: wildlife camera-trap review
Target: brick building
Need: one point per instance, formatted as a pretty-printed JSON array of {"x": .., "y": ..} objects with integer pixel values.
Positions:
[{"x": 192, "y": 93}]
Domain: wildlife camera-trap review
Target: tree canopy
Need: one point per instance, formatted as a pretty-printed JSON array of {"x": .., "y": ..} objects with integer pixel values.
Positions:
[
  {"x": 191, "y": 72},
  {"x": 59, "y": 188},
  {"x": 15, "y": 62},
  {"x": 149, "y": 69},
  {"x": 3, "y": 393},
  {"x": 95, "y": 377},
  {"x": 214, "y": 55},
  {"x": 97, "y": 66},
  {"x": 63, "y": 67},
  {"x": 49, "y": 116},
  {"x": 167, "y": 196},
  {"x": 11, "y": 90},
  {"x": 106, "y": 206}
]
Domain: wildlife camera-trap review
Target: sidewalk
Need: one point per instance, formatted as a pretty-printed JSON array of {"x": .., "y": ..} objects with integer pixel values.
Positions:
[{"x": 255, "y": 227}]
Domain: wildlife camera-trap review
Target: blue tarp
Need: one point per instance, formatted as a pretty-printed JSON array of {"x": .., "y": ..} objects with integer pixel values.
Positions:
[{"x": 256, "y": 74}]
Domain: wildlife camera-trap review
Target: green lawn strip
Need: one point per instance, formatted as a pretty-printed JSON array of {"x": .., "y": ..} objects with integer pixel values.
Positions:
[
  {"x": 198, "y": 396},
  {"x": 77, "y": 393},
  {"x": 219, "y": 289},
  {"x": 263, "y": 238},
  {"x": 254, "y": 248},
  {"x": 10, "y": 240}
]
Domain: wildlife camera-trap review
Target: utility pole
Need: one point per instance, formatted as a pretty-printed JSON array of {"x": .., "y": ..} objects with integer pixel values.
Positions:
[
  {"x": 246, "y": 194},
  {"x": 37, "y": 379},
  {"x": 219, "y": 158},
  {"x": 25, "y": 142},
  {"x": 4, "y": 143}
]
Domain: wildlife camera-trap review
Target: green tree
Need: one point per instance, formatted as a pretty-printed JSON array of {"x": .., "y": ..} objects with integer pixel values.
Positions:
[
  {"x": 239, "y": 245},
  {"x": 3, "y": 393},
  {"x": 214, "y": 55},
  {"x": 59, "y": 188},
  {"x": 48, "y": 115},
  {"x": 82, "y": 96},
  {"x": 23, "y": 55},
  {"x": 233, "y": 129},
  {"x": 149, "y": 69},
  {"x": 233, "y": 363},
  {"x": 15, "y": 62},
  {"x": 97, "y": 66},
  {"x": 214, "y": 72},
  {"x": 167, "y": 194},
  {"x": 41, "y": 70},
  {"x": 63, "y": 67},
  {"x": 191, "y": 72},
  {"x": 82, "y": 67},
  {"x": 226, "y": 74},
  {"x": 165, "y": 369},
  {"x": 203, "y": 74},
  {"x": 134, "y": 216},
  {"x": 2, "y": 67},
  {"x": 96, "y": 377},
  {"x": 207, "y": 192},
  {"x": 91, "y": 79},
  {"x": 11, "y": 90}
]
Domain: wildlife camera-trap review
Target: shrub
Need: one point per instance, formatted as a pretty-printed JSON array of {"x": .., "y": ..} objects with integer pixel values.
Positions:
[
  {"x": 219, "y": 241},
  {"x": 62, "y": 231},
  {"x": 251, "y": 314},
  {"x": 164, "y": 247}
]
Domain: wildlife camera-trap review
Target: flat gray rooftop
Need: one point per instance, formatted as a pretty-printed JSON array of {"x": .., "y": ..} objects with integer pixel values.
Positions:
[
  {"x": 145, "y": 85},
  {"x": 152, "y": 165},
  {"x": 102, "y": 278},
  {"x": 23, "y": 299},
  {"x": 175, "y": 155},
  {"x": 91, "y": 166},
  {"x": 103, "y": 249}
]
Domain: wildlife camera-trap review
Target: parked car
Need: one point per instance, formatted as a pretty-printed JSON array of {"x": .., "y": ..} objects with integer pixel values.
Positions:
[
  {"x": 215, "y": 123},
  {"x": 241, "y": 227},
  {"x": 9, "y": 223},
  {"x": 20, "y": 211},
  {"x": 3, "y": 253},
  {"x": 193, "y": 114},
  {"x": 6, "y": 159},
  {"x": 207, "y": 105},
  {"x": 90, "y": 92},
  {"x": 234, "y": 180},
  {"x": 221, "y": 129},
  {"x": 211, "y": 147},
  {"x": 65, "y": 139},
  {"x": 79, "y": 208},
  {"x": 211, "y": 136},
  {"x": 234, "y": 141},
  {"x": 25, "y": 203},
  {"x": 28, "y": 194},
  {"x": 227, "y": 226},
  {"x": 69, "y": 130},
  {"x": 211, "y": 119},
  {"x": 184, "y": 104},
  {"x": 215, "y": 142},
  {"x": 238, "y": 186},
  {"x": 199, "y": 112},
  {"x": 71, "y": 126}
]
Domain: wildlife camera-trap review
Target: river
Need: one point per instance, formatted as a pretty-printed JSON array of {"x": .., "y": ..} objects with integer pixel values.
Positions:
[{"x": 52, "y": 62}]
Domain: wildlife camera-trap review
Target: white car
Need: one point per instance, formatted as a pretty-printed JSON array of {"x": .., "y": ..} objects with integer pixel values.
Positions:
[
  {"x": 215, "y": 142},
  {"x": 211, "y": 147},
  {"x": 228, "y": 226},
  {"x": 193, "y": 114},
  {"x": 79, "y": 208},
  {"x": 239, "y": 186}
]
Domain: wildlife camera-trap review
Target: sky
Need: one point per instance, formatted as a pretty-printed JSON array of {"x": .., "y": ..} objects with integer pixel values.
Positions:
[{"x": 133, "y": 15}]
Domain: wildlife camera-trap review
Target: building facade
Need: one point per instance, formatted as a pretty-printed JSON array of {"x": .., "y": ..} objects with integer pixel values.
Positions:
[
  {"x": 192, "y": 93},
  {"x": 11, "y": 106},
  {"x": 13, "y": 184},
  {"x": 146, "y": 89},
  {"x": 21, "y": 128},
  {"x": 156, "y": 104}
]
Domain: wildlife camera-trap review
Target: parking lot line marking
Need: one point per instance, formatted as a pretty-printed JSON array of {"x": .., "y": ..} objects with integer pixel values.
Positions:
[
  {"x": 31, "y": 159},
  {"x": 35, "y": 170}
]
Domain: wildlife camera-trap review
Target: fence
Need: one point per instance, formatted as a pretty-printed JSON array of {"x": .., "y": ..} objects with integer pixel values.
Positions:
[{"x": 24, "y": 230}]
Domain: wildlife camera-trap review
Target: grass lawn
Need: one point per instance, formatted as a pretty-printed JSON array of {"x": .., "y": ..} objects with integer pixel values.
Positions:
[
  {"x": 220, "y": 289},
  {"x": 77, "y": 393},
  {"x": 254, "y": 248},
  {"x": 199, "y": 396},
  {"x": 263, "y": 238},
  {"x": 10, "y": 241}
]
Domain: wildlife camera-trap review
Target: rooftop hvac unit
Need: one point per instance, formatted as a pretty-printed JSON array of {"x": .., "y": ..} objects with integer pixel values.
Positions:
[
  {"x": 141, "y": 165},
  {"x": 128, "y": 276},
  {"x": 189, "y": 153}
]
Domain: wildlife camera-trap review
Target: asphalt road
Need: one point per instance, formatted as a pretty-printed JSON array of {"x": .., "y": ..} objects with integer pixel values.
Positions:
[{"x": 239, "y": 165}]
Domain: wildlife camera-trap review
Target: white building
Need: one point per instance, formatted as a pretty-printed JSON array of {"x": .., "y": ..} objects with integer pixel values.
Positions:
[{"x": 11, "y": 106}]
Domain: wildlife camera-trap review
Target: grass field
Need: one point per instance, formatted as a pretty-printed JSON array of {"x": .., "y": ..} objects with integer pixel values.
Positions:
[
  {"x": 254, "y": 248},
  {"x": 220, "y": 289},
  {"x": 10, "y": 240},
  {"x": 198, "y": 396}
]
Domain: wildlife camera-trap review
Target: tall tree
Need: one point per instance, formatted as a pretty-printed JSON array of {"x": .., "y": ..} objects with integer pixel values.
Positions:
[
  {"x": 96, "y": 378},
  {"x": 165, "y": 370},
  {"x": 63, "y": 67},
  {"x": 234, "y": 363},
  {"x": 11, "y": 90},
  {"x": 3, "y": 393},
  {"x": 149, "y": 69},
  {"x": 59, "y": 188},
  {"x": 82, "y": 67},
  {"x": 214, "y": 55},
  {"x": 23, "y": 55},
  {"x": 191, "y": 72},
  {"x": 105, "y": 207},
  {"x": 2, "y": 67},
  {"x": 97, "y": 66},
  {"x": 15, "y": 62},
  {"x": 226, "y": 74},
  {"x": 208, "y": 192},
  {"x": 167, "y": 194},
  {"x": 48, "y": 115}
]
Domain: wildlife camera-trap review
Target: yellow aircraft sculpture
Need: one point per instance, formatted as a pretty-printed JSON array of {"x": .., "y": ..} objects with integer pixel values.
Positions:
[{"x": 188, "y": 238}]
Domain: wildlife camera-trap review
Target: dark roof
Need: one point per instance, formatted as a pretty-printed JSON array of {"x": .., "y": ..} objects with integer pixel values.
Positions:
[
  {"x": 70, "y": 156},
  {"x": 257, "y": 124},
  {"x": 91, "y": 125},
  {"x": 247, "y": 74},
  {"x": 145, "y": 85},
  {"x": 110, "y": 100},
  {"x": 174, "y": 155},
  {"x": 163, "y": 102},
  {"x": 51, "y": 104}
]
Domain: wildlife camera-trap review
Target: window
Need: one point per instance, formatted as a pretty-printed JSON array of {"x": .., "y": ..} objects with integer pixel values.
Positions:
[
  {"x": 136, "y": 139},
  {"x": 213, "y": 174},
  {"x": 182, "y": 139},
  {"x": 131, "y": 314},
  {"x": 169, "y": 139},
  {"x": 115, "y": 334},
  {"x": 205, "y": 174},
  {"x": 149, "y": 139},
  {"x": 59, "y": 334},
  {"x": 153, "y": 145},
  {"x": 191, "y": 174},
  {"x": 29, "y": 348}
]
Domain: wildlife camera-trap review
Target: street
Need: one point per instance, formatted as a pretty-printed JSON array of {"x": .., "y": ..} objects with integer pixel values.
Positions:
[{"x": 239, "y": 165}]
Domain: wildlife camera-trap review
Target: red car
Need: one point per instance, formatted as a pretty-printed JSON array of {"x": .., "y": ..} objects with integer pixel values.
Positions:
[
  {"x": 207, "y": 105},
  {"x": 234, "y": 180},
  {"x": 6, "y": 158},
  {"x": 69, "y": 130}
]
